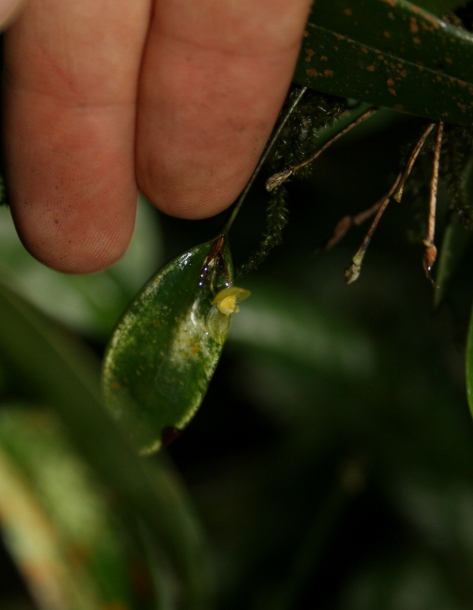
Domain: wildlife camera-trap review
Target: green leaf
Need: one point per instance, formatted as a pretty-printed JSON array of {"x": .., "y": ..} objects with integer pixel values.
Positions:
[
  {"x": 454, "y": 244},
  {"x": 61, "y": 373},
  {"x": 389, "y": 53},
  {"x": 441, "y": 7},
  {"x": 55, "y": 521},
  {"x": 166, "y": 347}
]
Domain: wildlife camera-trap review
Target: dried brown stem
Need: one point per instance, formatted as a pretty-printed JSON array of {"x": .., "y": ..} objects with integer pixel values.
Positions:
[
  {"x": 349, "y": 221},
  {"x": 396, "y": 191},
  {"x": 430, "y": 253},
  {"x": 281, "y": 177},
  {"x": 353, "y": 271},
  {"x": 410, "y": 162}
]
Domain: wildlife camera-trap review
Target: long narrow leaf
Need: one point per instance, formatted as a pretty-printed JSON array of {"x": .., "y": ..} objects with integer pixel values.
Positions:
[
  {"x": 56, "y": 523},
  {"x": 61, "y": 373},
  {"x": 389, "y": 53}
]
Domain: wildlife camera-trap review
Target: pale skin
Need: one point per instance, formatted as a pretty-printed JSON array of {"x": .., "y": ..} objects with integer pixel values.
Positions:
[{"x": 103, "y": 98}]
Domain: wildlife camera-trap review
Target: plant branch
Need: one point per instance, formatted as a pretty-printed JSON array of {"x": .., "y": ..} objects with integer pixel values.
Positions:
[{"x": 262, "y": 160}]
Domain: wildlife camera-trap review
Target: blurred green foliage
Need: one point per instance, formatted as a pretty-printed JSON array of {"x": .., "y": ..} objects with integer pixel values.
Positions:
[
  {"x": 87, "y": 303},
  {"x": 331, "y": 465}
]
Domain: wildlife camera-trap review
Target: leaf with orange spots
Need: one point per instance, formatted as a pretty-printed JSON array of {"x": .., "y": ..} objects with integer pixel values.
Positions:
[{"x": 389, "y": 53}]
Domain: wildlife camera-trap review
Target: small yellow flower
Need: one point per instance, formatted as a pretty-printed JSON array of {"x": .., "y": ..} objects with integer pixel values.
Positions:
[{"x": 226, "y": 300}]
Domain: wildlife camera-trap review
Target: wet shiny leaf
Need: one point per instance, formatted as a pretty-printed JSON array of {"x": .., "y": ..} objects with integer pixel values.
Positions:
[{"x": 166, "y": 347}]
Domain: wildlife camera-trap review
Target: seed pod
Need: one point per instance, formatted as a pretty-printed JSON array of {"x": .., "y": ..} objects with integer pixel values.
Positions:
[{"x": 166, "y": 347}]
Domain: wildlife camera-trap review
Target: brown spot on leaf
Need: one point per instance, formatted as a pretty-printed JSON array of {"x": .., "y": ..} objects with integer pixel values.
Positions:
[
  {"x": 195, "y": 349},
  {"x": 427, "y": 28},
  {"x": 169, "y": 434},
  {"x": 413, "y": 25}
]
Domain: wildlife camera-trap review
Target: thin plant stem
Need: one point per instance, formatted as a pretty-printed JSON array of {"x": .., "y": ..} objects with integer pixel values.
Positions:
[
  {"x": 279, "y": 178},
  {"x": 430, "y": 253},
  {"x": 396, "y": 191},
  {"x": 410, "y": 162},
  {"x": 262, "y": 160},
  {"x": 345, "y": 119},
  {"x": 348, "y": 221},
  {"x": 353, "y": 271},
  {"x": 360, "y": 119}
]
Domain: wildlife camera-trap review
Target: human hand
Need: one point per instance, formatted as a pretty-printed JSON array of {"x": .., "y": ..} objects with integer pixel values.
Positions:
[{"x": 105, "y": 97}]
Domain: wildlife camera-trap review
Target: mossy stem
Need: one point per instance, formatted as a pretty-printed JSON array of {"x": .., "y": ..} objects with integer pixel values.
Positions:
[
  {"x": 278, "y": 179},
  {"x": 262, "y": 160}
]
